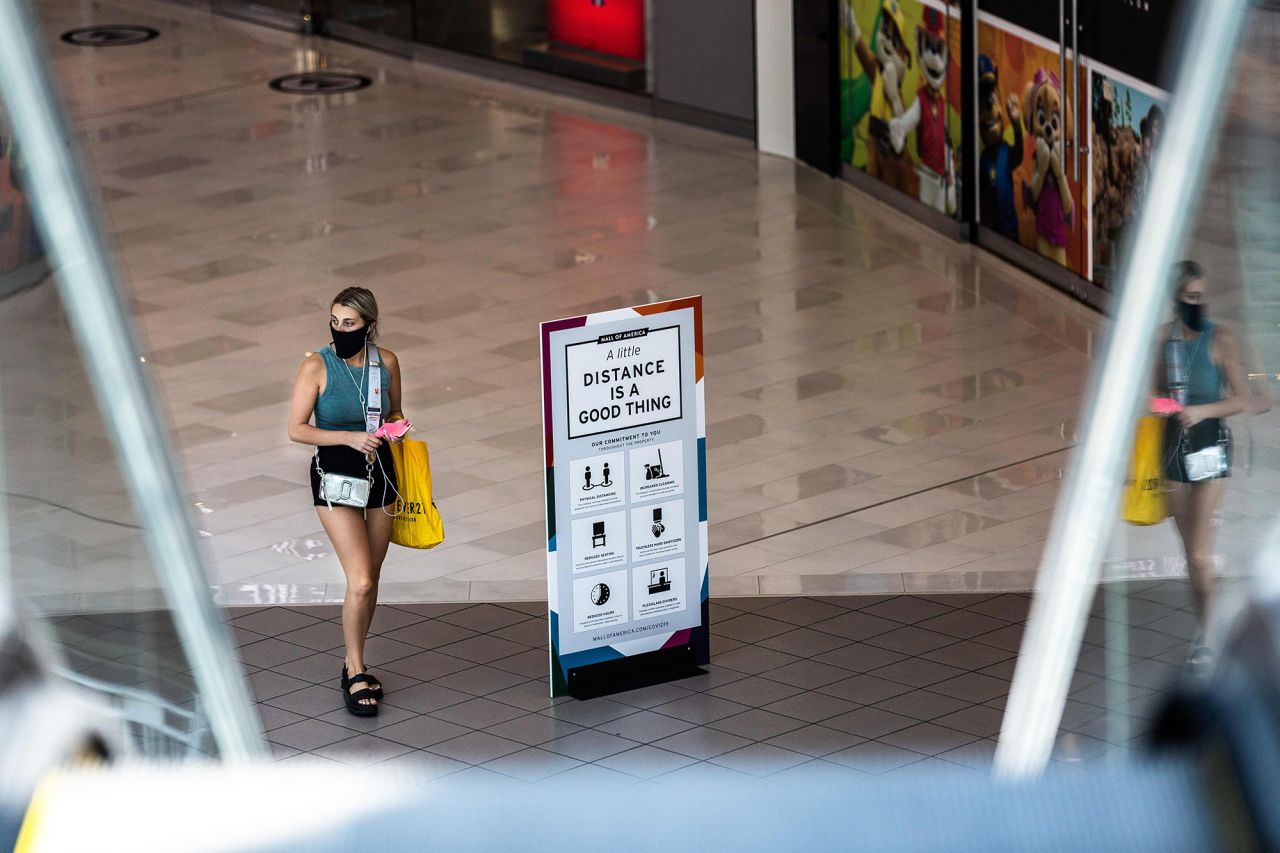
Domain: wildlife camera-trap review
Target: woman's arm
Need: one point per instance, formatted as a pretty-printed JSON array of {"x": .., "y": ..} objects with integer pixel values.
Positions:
[
  {"x": 393, "y": 395},
  {"x": 306, "y": 389},
  {"x": 1233, "y": 369}
]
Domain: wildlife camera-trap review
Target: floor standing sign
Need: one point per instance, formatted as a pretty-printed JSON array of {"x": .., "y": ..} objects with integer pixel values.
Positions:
[{"x": 625, "y": 444}]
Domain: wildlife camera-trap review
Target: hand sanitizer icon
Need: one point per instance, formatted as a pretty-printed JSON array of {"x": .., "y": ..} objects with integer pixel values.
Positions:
[{"x": 658, "y": 526}]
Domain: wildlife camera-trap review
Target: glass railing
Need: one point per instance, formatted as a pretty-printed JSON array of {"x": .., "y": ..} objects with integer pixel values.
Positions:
[
  {"x": 99, "y": 546},
  {"x": 1162, "y": 527}
]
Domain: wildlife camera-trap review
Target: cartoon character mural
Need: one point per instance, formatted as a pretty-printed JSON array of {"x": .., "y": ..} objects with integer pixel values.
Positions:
[
  {"x": 1028, "y": 191},
  {"x": 1047, "y": 118},
  {"x": 998, "y": 158},
  {"x": 927, "y": 115},
  {"x": 900, "y": 85},
  {"x": 886, "y": 63},
  {"x": 1127, "y": 125}
]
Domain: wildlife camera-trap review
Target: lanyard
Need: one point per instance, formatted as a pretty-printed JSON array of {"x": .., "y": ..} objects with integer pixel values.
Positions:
[{"x": 372, "y": 406}]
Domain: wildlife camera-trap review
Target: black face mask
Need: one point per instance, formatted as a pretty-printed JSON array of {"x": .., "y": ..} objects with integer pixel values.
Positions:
[
  {"x": 1192, "y": 313},
  {"x": 347, "y": 344}
]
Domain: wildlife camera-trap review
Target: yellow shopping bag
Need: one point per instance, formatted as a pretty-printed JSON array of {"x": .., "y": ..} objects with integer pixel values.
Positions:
[
  {"x": 1144, "y": 498},
  {"x": 418, "y": 523}
]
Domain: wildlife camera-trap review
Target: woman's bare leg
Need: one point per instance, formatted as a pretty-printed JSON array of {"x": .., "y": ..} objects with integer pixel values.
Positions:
[
  {"x": 347, "y": 532},
  {"x": 1205, "y": 497}
]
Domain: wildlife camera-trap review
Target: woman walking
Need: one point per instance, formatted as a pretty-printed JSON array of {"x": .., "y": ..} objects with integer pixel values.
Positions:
[
  {"x": 339, "y": 386},
  {"x": 1200, "y": 367}
]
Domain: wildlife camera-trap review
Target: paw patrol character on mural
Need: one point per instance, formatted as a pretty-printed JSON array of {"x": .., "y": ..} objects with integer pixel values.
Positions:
[
  {"x": 998, "y": 158},
  {"x": 927, "y": 116},
  {"x": 1047, "y": 116},
  {"x": 886, "y": 63}
]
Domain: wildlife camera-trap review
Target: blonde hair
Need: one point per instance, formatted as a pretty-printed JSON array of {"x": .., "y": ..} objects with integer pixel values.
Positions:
[{"x": 362, "y": 301}]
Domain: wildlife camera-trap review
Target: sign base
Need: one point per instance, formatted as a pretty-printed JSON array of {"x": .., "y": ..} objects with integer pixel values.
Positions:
[{"x": 632, "y": 673}]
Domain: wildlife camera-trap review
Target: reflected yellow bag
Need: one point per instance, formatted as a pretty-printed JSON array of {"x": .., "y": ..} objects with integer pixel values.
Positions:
[
  {"x": 418, "y": 523},
  {"x": 1144, "y": 499}
]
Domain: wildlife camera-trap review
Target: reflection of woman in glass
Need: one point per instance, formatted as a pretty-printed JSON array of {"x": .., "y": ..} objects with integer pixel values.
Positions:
[{"x": 1199, "y": 367}]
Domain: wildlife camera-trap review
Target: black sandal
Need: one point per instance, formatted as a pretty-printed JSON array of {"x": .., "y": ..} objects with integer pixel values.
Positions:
[
  {"x": 356, "y": 702},
  {"x": 374, "y": 684}
]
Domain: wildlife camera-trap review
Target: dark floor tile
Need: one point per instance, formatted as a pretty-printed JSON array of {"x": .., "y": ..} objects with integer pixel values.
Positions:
[
  {"x": 484, "y": 617},
  {"x": 387, "y": 716},
  {"x": 979, "y": 755},
  {"x": 811, "y": 707},
  {"x": 754, "y": 691},
  {"x": 927, "y": 738},
  {"x": 701, "y": 742},
  {"x": 312, "y": 701},
  {"x": 804, "y": 642},
  {"x": 754, "y": 660},
  {"x": 309, "y": 735},
  {"x": 421, "y": 766},
  {"x": 807, "y": 674},
  {"x": 922, "y": 704},
  {"x": 531, "y": 663},
  {"x": 319, "y": 637},
  {"x": 484, "y": 649},
  {"x": 873, "y": 757},
  {"x": 855, "y": 626},
  {"x": 591, "y": 712},
  {"x": 972, "y": 687},
  {"x": 869, "y": 723},
  {"x": 751, "y": 628},
  {"x": 917, "y": 672},
  {"x": 1011, "y": 607},
  {"x": 644, "y": 726},
  {"x": 534, "y": 729},
  {"x": 703, "y": 777},
  {"x": 700, "y": 708},
  {"x": 532, "y": 632},
  {"x": 962, "y": 624},
  {"x": 421, "y": 731},
  {"x": 757, "y": 724},
  {"x": 760, "y": 759},
  {"x": 911, "y": 641},
  {"x": 908, "y": 609},
  {"x": 267, "y": 684},
  {"x": 532, "y": 764},
  {"x": 860, "y": 657},
  {"x": 430, "y": 634},
  {"x": 815, "y": 740},
  {"x": 864, "y": 689},
  {"x": 427, "y": 665},
  {"x": 646, "y": 761},
  {"x": 531, "y": 696},
  {"x": 969, "y": 656},
  {"x": 589, "y": 780},
  {"x": 657, "y": 694},
  {"x": 362, "y": 750},
  {"x": 480, "y": 680},
  {"x": 478, "y": 713},
  {"x": 801, "y": 611},
  {"x": 589, "y": 745},
  {"x": 319, "y": 668},
  {"x": 273, "y": 621},
  {"x": 274, "y": 718},
  {"x": 426, "y": 697},
  {"x": 475, "y": 748},
  {"x": 271, "y": 652}
]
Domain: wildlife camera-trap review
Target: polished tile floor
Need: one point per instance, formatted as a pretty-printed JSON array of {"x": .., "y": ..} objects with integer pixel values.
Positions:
[
  {"x": 888, "y": 411},
  {"x": 846, "y": 686}
]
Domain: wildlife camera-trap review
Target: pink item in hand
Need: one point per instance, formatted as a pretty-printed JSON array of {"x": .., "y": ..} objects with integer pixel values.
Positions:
[
  {"x": 1164, "y": 406},
  {"x": 393, "y": 430}
]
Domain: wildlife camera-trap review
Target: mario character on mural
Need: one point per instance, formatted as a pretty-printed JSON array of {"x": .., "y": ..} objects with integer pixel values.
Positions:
[
  {"x": 927, "y": 115},
  {"x": 1047, "y": 115},
  {"x": 886, "y": 63},
  {"x": 998, "y": 158}
]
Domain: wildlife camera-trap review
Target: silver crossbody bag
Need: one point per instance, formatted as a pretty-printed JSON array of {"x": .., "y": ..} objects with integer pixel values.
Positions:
[
  {"x": 1207, "y": 463},
  {"x": 343, "y": 489}
]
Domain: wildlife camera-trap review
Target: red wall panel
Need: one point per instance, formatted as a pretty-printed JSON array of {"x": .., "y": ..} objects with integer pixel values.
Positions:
[{"x": 604, "y": 26}]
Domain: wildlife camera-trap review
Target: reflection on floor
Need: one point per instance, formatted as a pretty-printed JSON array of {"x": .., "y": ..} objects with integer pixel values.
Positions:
[
  {"x": 851, "y": 686},
  {"x": 888, "y": 410}
]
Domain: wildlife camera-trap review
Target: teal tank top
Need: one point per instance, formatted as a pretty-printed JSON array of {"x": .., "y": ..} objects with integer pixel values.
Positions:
[
  {"x": 339, "y": 406},
  {"x": 1204, "y": 378}
]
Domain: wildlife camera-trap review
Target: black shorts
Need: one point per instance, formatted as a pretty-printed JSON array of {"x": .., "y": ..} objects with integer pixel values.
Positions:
[
  {"x": 340, "y": 459},
  {"x": 1200, "y": 436}
]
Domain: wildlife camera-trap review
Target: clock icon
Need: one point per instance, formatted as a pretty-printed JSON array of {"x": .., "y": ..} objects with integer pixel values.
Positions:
[{"x": 599, "y": 594}]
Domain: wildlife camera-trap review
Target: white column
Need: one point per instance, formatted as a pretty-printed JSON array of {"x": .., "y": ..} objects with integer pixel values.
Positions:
[{"x": 775, "y": 78}]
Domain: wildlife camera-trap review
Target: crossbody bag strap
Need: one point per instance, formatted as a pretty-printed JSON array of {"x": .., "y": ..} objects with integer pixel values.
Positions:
[{"x": 373, "y": 406}]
